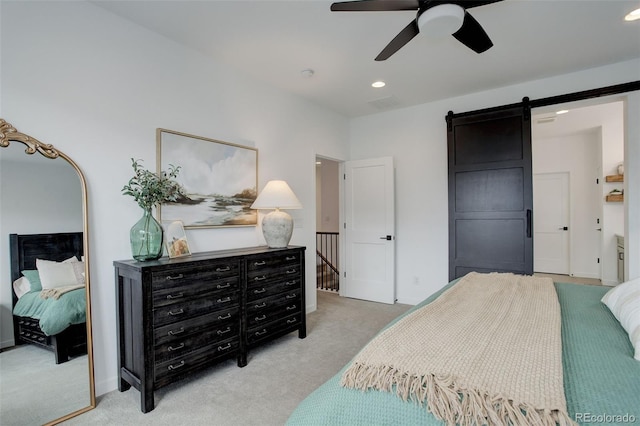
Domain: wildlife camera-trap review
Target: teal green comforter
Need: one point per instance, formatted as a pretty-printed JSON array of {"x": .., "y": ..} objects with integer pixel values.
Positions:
[
  {"x": 55, "y": 315},
  {"x": 601, "y": 378}
]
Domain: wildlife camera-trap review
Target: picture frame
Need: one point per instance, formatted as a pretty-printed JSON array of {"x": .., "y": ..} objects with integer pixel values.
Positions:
[
  {"x": 220, "y": 180},
  {"x": 175, "y": 240}
]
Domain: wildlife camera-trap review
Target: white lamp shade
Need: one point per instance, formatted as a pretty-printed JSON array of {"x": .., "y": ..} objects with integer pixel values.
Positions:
[{"x": 277, "y": 195}]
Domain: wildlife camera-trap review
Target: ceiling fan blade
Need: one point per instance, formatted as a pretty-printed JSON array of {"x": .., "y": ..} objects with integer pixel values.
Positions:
[
  {"x": 472, "y": 35},
  {"x": 468, "y": 4},
  {"x": 403, "y": 37},
  {"x": 374, "y": 5}
]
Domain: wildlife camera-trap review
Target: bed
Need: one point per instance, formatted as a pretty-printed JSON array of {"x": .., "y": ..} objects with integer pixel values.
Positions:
[
  {"x": 57, "y": 322},
  {"x": 601, "y": 378}
]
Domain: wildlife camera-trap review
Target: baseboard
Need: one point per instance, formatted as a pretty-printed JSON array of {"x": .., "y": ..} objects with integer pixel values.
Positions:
[
  {"x": 610, "y": 283},
  {"x": 106, "y": 386},
  {"x": 7, "y": 344}
]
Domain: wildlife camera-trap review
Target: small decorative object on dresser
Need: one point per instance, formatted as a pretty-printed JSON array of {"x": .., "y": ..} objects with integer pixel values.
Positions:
[
  {"x": 149, "y": 190},
  {"x": 177, "y": 316},
  {"x": 176, "y": 240}
]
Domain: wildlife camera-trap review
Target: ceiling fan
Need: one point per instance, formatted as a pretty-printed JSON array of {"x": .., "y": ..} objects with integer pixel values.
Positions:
[{"x": 434, "y": 16}]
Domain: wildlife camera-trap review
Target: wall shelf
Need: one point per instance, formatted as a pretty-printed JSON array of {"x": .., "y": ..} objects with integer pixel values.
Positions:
[
  {"x": 614, "y": 178},
  {"x": 615, "y": 198}
]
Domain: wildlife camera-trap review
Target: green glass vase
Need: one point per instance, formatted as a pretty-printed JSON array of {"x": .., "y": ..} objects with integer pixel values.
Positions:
[{"x": 146, "y": 238}]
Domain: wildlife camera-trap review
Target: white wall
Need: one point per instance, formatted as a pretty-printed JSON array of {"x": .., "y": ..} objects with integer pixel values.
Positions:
[
  {"x": 416, "y": 138},
  {"x": 97, "y": 87},
  {"x": 37, "y": 195}
]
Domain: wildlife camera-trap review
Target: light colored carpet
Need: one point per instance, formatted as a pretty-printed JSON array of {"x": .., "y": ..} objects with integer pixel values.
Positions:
[
  {"x": 278, "y": 376},
  {"x": 35, "y": 390}
]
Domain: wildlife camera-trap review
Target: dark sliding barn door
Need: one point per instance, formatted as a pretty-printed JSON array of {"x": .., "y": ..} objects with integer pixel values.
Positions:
[{"x": 490, "y": 191}]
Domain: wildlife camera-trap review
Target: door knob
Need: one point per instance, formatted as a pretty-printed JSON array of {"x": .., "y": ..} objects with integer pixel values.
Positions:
[
  {"x": 563, "y": 228},
  {"x": 388, "y": 238}
]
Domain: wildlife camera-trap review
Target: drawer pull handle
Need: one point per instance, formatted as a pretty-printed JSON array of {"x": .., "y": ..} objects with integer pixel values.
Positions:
[
  {"x": 224, "y": 300},
  {"x": 262, "y": 332},
  {"x": 262, "y": 318},
  {"x": 225, "y": 331},
  {"x": 176, "y": 332},
  {"x": 261, "y": 278},
  {"x": 290, "y": 283},
  {"x": 261, "y": 305},
  {"x": 178, "y": 312},
  {"x": 291, "y": 296},
  {"x": 291, "y": 271},
  {"x": 176, "y": 277},
  {"x": 221, "y": 286},
  {"x": 225, "y": 269},
  {"x": 224, "y": 348},
  {"x": 175, "y": 296},
  {"x": 262, "y": 290},
  {"x": 220, "y": 317},
  {"x": 291, "y": 308},
  {"x": 176, "y": 366},
  {"x": 290, "y": 258},
  {"x": 261, "y": 263},
  {"x": 292, "y": 320},
  {"x": 180, "y": 346}
]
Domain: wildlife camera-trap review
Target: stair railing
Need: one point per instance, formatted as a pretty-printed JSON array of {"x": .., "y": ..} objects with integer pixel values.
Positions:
[{"x": 327, "y": 255}]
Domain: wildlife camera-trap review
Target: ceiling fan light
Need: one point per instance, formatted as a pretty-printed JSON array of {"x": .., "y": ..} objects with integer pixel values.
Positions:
[{"x": 442, "y": 20}]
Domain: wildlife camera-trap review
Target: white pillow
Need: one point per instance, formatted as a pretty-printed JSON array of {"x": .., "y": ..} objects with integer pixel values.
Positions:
[
  {"x": 624, "y": 303},
  {"x": 55, "y": 274},
  {"x": 21, "y": 286}
]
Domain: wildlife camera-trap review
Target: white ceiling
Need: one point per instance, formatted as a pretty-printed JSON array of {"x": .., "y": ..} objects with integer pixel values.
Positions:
[{"x": 275, "y": 40}]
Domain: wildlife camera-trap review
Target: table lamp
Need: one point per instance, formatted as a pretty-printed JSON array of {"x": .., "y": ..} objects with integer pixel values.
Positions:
[{"x": 277, "y": 226}]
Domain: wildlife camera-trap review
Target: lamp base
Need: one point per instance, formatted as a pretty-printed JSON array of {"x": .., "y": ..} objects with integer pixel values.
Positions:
[{"x": 277, "y": 228}]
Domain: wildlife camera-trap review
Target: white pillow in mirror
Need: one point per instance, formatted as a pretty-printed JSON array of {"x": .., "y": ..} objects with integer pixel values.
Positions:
[
  {"x": 21, "y": 286},
  {"x": 624, "y": 303},
  {"x": 55, "y": 274}
]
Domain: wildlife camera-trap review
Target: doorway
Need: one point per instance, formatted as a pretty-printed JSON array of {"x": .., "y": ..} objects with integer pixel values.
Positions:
[
  {"x": 327, "y": 225},
  {"x": 584, "y": 141}
]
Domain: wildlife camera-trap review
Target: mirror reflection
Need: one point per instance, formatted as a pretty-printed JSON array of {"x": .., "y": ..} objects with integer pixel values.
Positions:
[{"x": 45, "y": 352}]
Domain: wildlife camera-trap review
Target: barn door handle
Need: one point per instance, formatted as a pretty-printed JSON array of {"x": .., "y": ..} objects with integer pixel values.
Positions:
[{"x": 528, "y": 223}]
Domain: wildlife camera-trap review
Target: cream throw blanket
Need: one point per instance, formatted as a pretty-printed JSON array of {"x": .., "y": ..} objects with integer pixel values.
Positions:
[
  {"x": 486, "y": 351},
  {"x": 57, "y": 292}
]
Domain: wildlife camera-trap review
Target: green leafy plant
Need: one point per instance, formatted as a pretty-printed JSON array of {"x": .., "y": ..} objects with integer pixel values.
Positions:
[{"x": 149, "y": 189}]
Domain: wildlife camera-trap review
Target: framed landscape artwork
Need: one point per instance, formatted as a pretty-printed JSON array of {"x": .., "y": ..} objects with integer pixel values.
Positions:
[{"x": 220, "y": 180}]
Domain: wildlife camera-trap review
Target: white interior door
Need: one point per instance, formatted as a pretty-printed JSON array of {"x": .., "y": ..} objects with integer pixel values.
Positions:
[
  {"x": 551, "y": 223},
  {"x": 369, "y": 218}
]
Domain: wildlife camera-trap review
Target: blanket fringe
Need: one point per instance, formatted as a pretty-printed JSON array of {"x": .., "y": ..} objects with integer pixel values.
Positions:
[{"x": 448, "y": 401}]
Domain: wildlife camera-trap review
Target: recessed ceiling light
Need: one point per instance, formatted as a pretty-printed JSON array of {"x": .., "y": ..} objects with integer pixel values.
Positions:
[
  {"x": 378, "y": 84},
  {"x": 562, "y": 111},
  {"x": 632, "y": 16}
]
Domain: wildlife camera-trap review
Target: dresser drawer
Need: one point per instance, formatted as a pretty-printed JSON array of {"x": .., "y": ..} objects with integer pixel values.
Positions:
[
  {"x": 219, "y": 320},
  {"x": 175, "y": 277},
  {"x": 182, "y": 346},
  {"x": 264, "y": 263},
  {"x": 260, "y": 332},
  {"x": 278, "y": 302},
  {"x": 191, "y": 308},
  {"x": 187, "y": 289},
  {"x": 272, "y": 287},
  {"x": 265, "y": 276},
  {"x": 165, "y": 372}
]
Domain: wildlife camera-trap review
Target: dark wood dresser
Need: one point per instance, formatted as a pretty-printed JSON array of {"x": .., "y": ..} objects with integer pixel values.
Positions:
[{"x": 176, "y": 316}]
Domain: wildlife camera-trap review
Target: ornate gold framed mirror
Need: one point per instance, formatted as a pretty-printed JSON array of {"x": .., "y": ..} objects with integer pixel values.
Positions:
[{"x": 46, "y": 351}]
